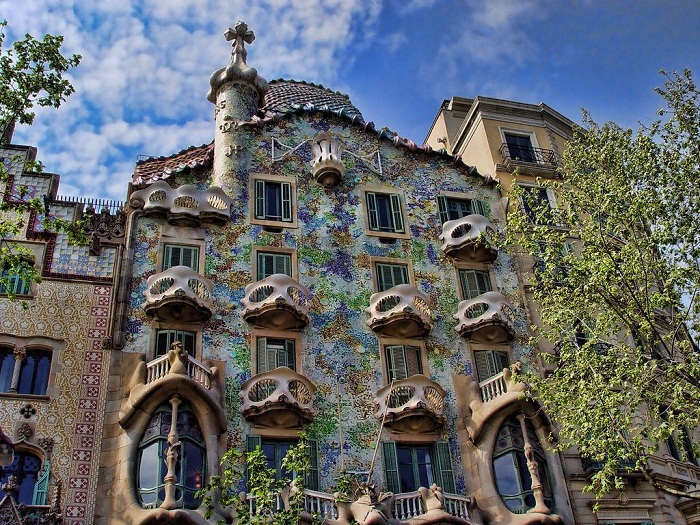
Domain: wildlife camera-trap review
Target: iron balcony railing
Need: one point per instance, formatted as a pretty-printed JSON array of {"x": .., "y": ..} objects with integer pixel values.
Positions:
[{"x": 545, "y": 157}]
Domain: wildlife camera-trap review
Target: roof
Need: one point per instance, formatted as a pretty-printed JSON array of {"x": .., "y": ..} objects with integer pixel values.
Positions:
[{"x": 284, "y": 99}]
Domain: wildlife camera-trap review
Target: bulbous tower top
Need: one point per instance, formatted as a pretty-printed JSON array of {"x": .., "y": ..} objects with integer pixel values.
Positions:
[{"x": 238, "y": 72}]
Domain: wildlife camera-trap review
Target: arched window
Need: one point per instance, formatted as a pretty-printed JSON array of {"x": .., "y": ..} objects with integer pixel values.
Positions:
[
  {"x": 7, "y": 367},
  {"x": 31, "y": 479},
  {"x": 153, "y": 450},
  {"x": 513, "y": 479}
]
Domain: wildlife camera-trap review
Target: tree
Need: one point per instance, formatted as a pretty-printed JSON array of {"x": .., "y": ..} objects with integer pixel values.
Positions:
[
  {"x": 616, "y": 285},
  {"x": 31, "y": 73},
  {"x": 251, "y": 489}
]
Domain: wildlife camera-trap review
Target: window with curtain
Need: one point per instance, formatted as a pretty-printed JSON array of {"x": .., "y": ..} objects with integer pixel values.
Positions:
[{"x": 32, "y": 478}]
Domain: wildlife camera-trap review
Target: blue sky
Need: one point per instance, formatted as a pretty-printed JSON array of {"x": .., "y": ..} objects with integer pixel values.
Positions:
[{"x": 146, "y": 63}]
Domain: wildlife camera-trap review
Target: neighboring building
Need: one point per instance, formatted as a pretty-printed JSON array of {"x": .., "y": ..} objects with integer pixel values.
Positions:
[
  {"x": 303, "y": 271},
  {"x": 498, "y": 137}
]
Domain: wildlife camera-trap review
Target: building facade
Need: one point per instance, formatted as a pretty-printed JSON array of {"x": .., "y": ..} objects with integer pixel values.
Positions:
[{"x": 304, "y": 271}]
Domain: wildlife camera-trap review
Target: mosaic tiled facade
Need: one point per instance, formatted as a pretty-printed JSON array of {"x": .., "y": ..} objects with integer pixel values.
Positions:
[{"x": 305, "y": 270}]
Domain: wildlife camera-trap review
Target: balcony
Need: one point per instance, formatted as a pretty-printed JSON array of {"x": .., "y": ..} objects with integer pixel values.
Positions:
[
  {"x": 528, "y": 159},
  {"x": 185, "y": 205},
  {"x": 401, "y": 311},
  {"x": 425, "y": 506},
  {"x": 469, "y": 239},
  {"x": 179, "y": 294},
  {"x": 482, "y": 400},
  {"x": 277, "y": 302},
  {"x": 280, "y": 398},
  {"x": 412, "y": 405},
  {"x": 486, "y": 318},
  {"x": 189, "y": 366},
  {"x": 326, "y": 166}
]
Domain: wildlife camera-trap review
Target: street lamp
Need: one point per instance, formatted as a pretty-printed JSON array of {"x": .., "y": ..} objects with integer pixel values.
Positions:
[{"x": 7, "y": 450}]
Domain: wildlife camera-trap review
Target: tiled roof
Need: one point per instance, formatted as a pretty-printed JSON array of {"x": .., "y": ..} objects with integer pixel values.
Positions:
[
  {"x": 157, "y": 168},
  {"x": 285, "y": 95}
]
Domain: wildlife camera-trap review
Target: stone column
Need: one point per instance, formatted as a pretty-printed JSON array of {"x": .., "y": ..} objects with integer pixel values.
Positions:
[
  {"x": 171, "y": 458},
  {"x": 20, "y": 355},
  {"x": 534, "y": 469}
]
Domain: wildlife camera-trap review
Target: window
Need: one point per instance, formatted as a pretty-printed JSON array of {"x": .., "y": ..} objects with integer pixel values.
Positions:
[
  {"x": 152, "y": 453},
  {"x": 274, "y": 352},
  {"x": 513, "y": 479},
  {"x": 12, "y": 284},
  {"x": 34, "y": 368},
  {"x": 561, "y": 270},
  {"x": 31, "y": 478},
  {"x": 384, "y": 212},
  {"x": 409, "y": 467},
  {"x": 34, "y": 373},
  {"x": 270, "y": 263},
  {"x": 490, "y": 363},
  {"x": 520, "y": 147},
  {"x": 681, "y": 447},
  {"x": 474, "y": 282},
  {"x": 538, "y": 204},
  {"x": 452, "y": 208},
  {"x": 390, "y": 275},
  {"x": 165, "y": 338},
  {"x": 174, "y": 255},
  {"x": 273, "y": 200},
  {"x": 403, "y": 361},
  {"x": 276, "y": 450}
]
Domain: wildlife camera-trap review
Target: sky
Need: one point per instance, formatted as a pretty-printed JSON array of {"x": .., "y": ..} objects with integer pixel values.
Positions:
[{"x": 141, "y": 87}]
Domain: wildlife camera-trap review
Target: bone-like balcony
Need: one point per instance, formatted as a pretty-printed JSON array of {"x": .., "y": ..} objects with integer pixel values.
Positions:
[
  {"x": 469, "y": 239},
  {"x": 486, "y": 318},
  {"x": 401, "y": 311},
  {"x": 280, "y": 398},
  {"x": 185, "y": 205},
  {"x": 162, "y": 366},
  {"x": 326, "y": 165},
  {"x": 179, "y": 294},
  {"x": 277, "y": 302},
  {"x": 414, "y": 405}
]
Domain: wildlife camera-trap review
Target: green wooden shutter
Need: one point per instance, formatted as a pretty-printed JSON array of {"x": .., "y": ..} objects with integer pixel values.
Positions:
[
  {"x": 311, "y": 481},
  {"x": 290, "y": 354},
  {"x": 41, "y": 487},
  {"x": 478, "y": 207},
  {"x": 391, "y": 467},
  {"x": 372, "y": 214},
  {"x": 442, "y": 209},
  {"x": 396, "y": 362},
  {"x": 260, "y": 210},
  {"x": 286, "y": 201},
  {"x": 396, "y": 213},
  {"x": 442, "y": 467},
  {"x": 263, "y": 362}
]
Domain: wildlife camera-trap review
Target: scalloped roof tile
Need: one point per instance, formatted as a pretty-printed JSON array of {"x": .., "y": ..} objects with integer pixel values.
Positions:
[{"x": 287, "y": 95}]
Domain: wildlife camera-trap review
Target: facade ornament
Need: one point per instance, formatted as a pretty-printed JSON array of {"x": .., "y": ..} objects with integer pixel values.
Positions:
[
  {"x": 241, "y": 35},
  {"x": 534, "y": 469},
  {"x": 11, "y": 487},
  {"x": 27, "y": 411},
  {"x": 46, "y": 444},
  {"x": 25, "y": 432}
]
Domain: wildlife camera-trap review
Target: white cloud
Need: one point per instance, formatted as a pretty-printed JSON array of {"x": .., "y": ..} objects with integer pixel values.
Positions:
[{"x": 142, "y": 83}]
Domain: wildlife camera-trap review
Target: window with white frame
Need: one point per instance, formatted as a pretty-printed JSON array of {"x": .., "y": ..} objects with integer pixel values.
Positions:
[{"x": 273, "y": 200}]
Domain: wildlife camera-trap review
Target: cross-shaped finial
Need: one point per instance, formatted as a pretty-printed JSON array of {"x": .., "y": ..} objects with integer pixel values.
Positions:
[{"x": 240, "y": 35}]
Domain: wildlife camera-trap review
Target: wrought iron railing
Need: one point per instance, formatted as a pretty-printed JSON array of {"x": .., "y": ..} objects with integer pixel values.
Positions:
[{"x": 546, "y": 157}]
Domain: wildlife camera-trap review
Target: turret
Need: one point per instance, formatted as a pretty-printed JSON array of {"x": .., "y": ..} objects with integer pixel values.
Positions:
[{"x": 236, "y": 91}]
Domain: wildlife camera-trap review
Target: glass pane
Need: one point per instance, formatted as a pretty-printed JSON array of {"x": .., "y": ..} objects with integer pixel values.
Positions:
[
  {"x": 150, "y": 466},
  {"x": 405, "y": 464},
  {"x": 384, "y": 213},
  {"x": 7, "y": 366},
  {"x": 425, "y": 469},
  {"x": 506, "y": 475},
  {"x": 273, "y": 201}
]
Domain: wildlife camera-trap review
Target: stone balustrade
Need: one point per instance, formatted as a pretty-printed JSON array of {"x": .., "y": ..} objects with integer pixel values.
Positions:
[
  {"x": 401, "y": 311},
  {"x": 179, "y": 294},
  {"x": 160, "y": 367},
  {"x": 489, "y": 317},
  {"x": 470, "y": 238},
  {"x": 185, "y": 205},
  {"x": 277, "y": 302}
]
